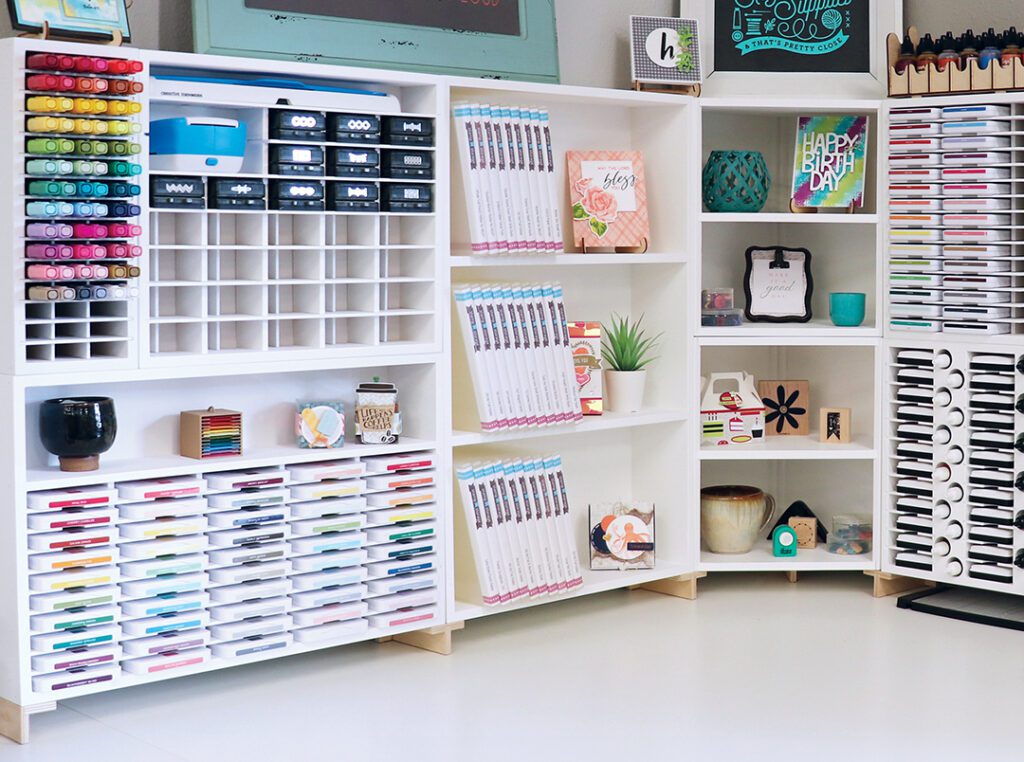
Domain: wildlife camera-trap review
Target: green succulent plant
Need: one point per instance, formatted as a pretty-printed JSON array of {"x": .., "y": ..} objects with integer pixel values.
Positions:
[{"x": 626, "y": 346}]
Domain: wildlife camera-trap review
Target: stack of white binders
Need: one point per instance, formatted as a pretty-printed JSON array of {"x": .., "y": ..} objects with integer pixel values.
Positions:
[
  {"x": 520, "y": 529},
  {"x": 517, "y": 342},
  {"x": 508, "y": 171}
]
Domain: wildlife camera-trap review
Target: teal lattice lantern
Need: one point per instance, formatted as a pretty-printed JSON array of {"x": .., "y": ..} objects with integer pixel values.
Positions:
[{"x": 736, "y": 181}]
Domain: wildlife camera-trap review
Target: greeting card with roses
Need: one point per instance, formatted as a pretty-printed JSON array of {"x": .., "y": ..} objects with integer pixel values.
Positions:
[{"x": 609, "y": 199}]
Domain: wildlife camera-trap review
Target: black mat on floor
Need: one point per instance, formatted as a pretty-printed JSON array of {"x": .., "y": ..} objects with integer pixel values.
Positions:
[{"x": 978, "y": 606}]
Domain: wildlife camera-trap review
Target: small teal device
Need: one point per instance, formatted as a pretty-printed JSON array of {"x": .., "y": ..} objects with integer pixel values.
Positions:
[
  {"x": 197, "y": 144},
  {"x": 784, "y": 542}
]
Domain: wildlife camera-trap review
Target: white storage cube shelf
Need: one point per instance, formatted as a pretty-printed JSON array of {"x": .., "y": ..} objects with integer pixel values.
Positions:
[{"x": 253, "y": 310}]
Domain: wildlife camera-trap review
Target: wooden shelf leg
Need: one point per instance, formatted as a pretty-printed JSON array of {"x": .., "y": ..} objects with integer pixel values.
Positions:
[
  {"x": 14, "y": 718},
  {"x": 791, "y": 576},
  {"x": 886, "y": 584},
  {"x": 436, "y": 639},
  {"x": 683, "y": 586}
]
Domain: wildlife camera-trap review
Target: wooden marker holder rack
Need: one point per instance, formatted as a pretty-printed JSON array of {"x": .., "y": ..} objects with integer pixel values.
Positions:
[{"x": 996, "y": 77}]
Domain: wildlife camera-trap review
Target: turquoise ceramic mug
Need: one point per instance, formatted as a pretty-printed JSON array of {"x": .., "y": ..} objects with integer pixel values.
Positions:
[{"x": 846, "y": 309}]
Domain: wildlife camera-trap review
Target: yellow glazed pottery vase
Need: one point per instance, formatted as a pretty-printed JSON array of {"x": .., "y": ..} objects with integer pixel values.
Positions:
[{"x": 732, "y": 517}]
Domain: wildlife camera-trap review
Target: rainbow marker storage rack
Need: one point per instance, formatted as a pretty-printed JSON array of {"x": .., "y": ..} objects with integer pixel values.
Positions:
[{"x": 77, "y": 222}]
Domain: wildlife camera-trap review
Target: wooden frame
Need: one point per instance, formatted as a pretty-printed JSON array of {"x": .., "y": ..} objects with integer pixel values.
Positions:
[
  {"x": 885, "y": 16},
  {"x": 48, "y": 30},
  {"x": 229, "y": 27}
]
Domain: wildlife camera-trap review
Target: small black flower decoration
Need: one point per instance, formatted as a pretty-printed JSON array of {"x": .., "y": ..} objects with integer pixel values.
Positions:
[{"x": 782, "y": 410}]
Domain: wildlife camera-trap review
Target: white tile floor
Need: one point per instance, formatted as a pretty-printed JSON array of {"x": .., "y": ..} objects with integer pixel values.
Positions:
[{"x": 755, "y": 669}]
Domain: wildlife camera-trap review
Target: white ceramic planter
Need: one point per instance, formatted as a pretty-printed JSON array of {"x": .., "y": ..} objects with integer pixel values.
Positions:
[{"x": 625, "y": 390}]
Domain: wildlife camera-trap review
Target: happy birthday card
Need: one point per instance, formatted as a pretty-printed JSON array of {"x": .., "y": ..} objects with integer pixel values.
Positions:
[{"x": 831, "y": 157}]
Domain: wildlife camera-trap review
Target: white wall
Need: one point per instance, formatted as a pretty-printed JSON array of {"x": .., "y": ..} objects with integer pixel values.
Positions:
[{"x": 593, "y": 44}]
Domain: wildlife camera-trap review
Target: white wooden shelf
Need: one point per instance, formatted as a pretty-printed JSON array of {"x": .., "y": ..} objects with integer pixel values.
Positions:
[
  {"x": 791, "y": 448},
  {"x": 593, "y": 582},
  {"x": 761, "y": 559},
  {"x": 129, "y": 469},
  {"x": 562, "y": 260},
  {"x": 791, "y": 218},
  {"x": 606, "y": 422},
  {"x": 817, "y": 331}
]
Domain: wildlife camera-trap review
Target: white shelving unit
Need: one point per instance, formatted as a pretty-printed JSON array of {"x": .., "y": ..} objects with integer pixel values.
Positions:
[
  {"x": 613, "y": 456},
  {"x": 843, "y": 365},
  {"x": 251, "y": 310}
]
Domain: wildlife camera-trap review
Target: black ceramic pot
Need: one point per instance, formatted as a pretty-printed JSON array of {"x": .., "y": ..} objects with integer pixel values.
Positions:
[{"x": 78, "y": 430}]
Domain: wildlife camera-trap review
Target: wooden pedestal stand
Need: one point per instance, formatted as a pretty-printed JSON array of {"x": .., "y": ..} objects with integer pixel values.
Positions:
[
  {"x": 683, "y": 586},
  {"x": 14, "y": 719},
  {"x": 851, "y": 209},
  {"x": 437, "y": 640},
  {"x": 646, "y": 87},
  {"x": 48, "y": 33},
  {"x": 887, "y": 584},
  {"x": 619, "y": 249}
]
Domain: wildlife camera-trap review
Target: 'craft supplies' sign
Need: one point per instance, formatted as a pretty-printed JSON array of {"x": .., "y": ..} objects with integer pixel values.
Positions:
[
  {"x": 793, "y": 35},
  {"x": 831, "y": 156}
]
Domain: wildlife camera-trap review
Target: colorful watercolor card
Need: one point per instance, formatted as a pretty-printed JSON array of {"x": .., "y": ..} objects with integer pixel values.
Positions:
[{"x": 831, "y": 157}]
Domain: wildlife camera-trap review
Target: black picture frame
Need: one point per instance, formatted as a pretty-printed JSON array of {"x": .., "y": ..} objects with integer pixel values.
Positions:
[
  {"x": 86, "y": 35},
  {"x": 779, "y": 253}
]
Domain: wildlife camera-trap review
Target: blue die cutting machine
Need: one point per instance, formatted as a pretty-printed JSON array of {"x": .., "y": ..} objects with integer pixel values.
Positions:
[{"x": 197, "y": 144}]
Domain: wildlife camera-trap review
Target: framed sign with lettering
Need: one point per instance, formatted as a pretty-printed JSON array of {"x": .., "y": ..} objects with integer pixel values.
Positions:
[
  {"x": 836, "y": 46},
  {"x": 505, "y": 39},
  {"x": 778, "y": 285}
]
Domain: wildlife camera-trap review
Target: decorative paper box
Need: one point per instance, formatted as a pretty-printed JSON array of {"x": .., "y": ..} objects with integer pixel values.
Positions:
[
  {"x": 585, "y": 342},
  {"x": 730, "y": 417}
]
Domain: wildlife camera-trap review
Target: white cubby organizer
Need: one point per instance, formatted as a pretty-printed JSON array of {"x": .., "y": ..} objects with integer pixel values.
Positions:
[
  {"x": 253, "y": 310},
  {"x": 842, "y": 365}
]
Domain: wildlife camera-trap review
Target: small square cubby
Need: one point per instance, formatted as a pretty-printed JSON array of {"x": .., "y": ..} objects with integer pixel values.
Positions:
[
  {"x": 69, "y": 349},
  {"x": 352, "y": 264},
  {"x": 355, "y": 331},
  {"x": 230, "y": 265},
  {"x": 177, "y": 228},
  {"x": 295, "y": 264},
  {"x": 237, "y": 229},
  {"x": 294, "y": 299},
  {"x": 108, "y": 310},
  {"x": 176, "y": 338},
  {"x": 407, "y": 263},
  {"x": 71, "y": 330},
  {"x": 414, "y": 230},
  {"x": 416, "y": 329},
  {"x": 114, "y": 348},
  {"x": 237, "y": 335},
  {"x": 39, "y": 331},
  {"x": 178, "y": 265},
  {"x": 305, "y": 332},
  {"x": 342, "y": 298},
  {"x": 176, "y": 301},
  {"x": 364, "y": 231},
  {"x": 236, "y": 300},
  {"x": 417, "y": 297},
  {"x": 305, "y": 230}
]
